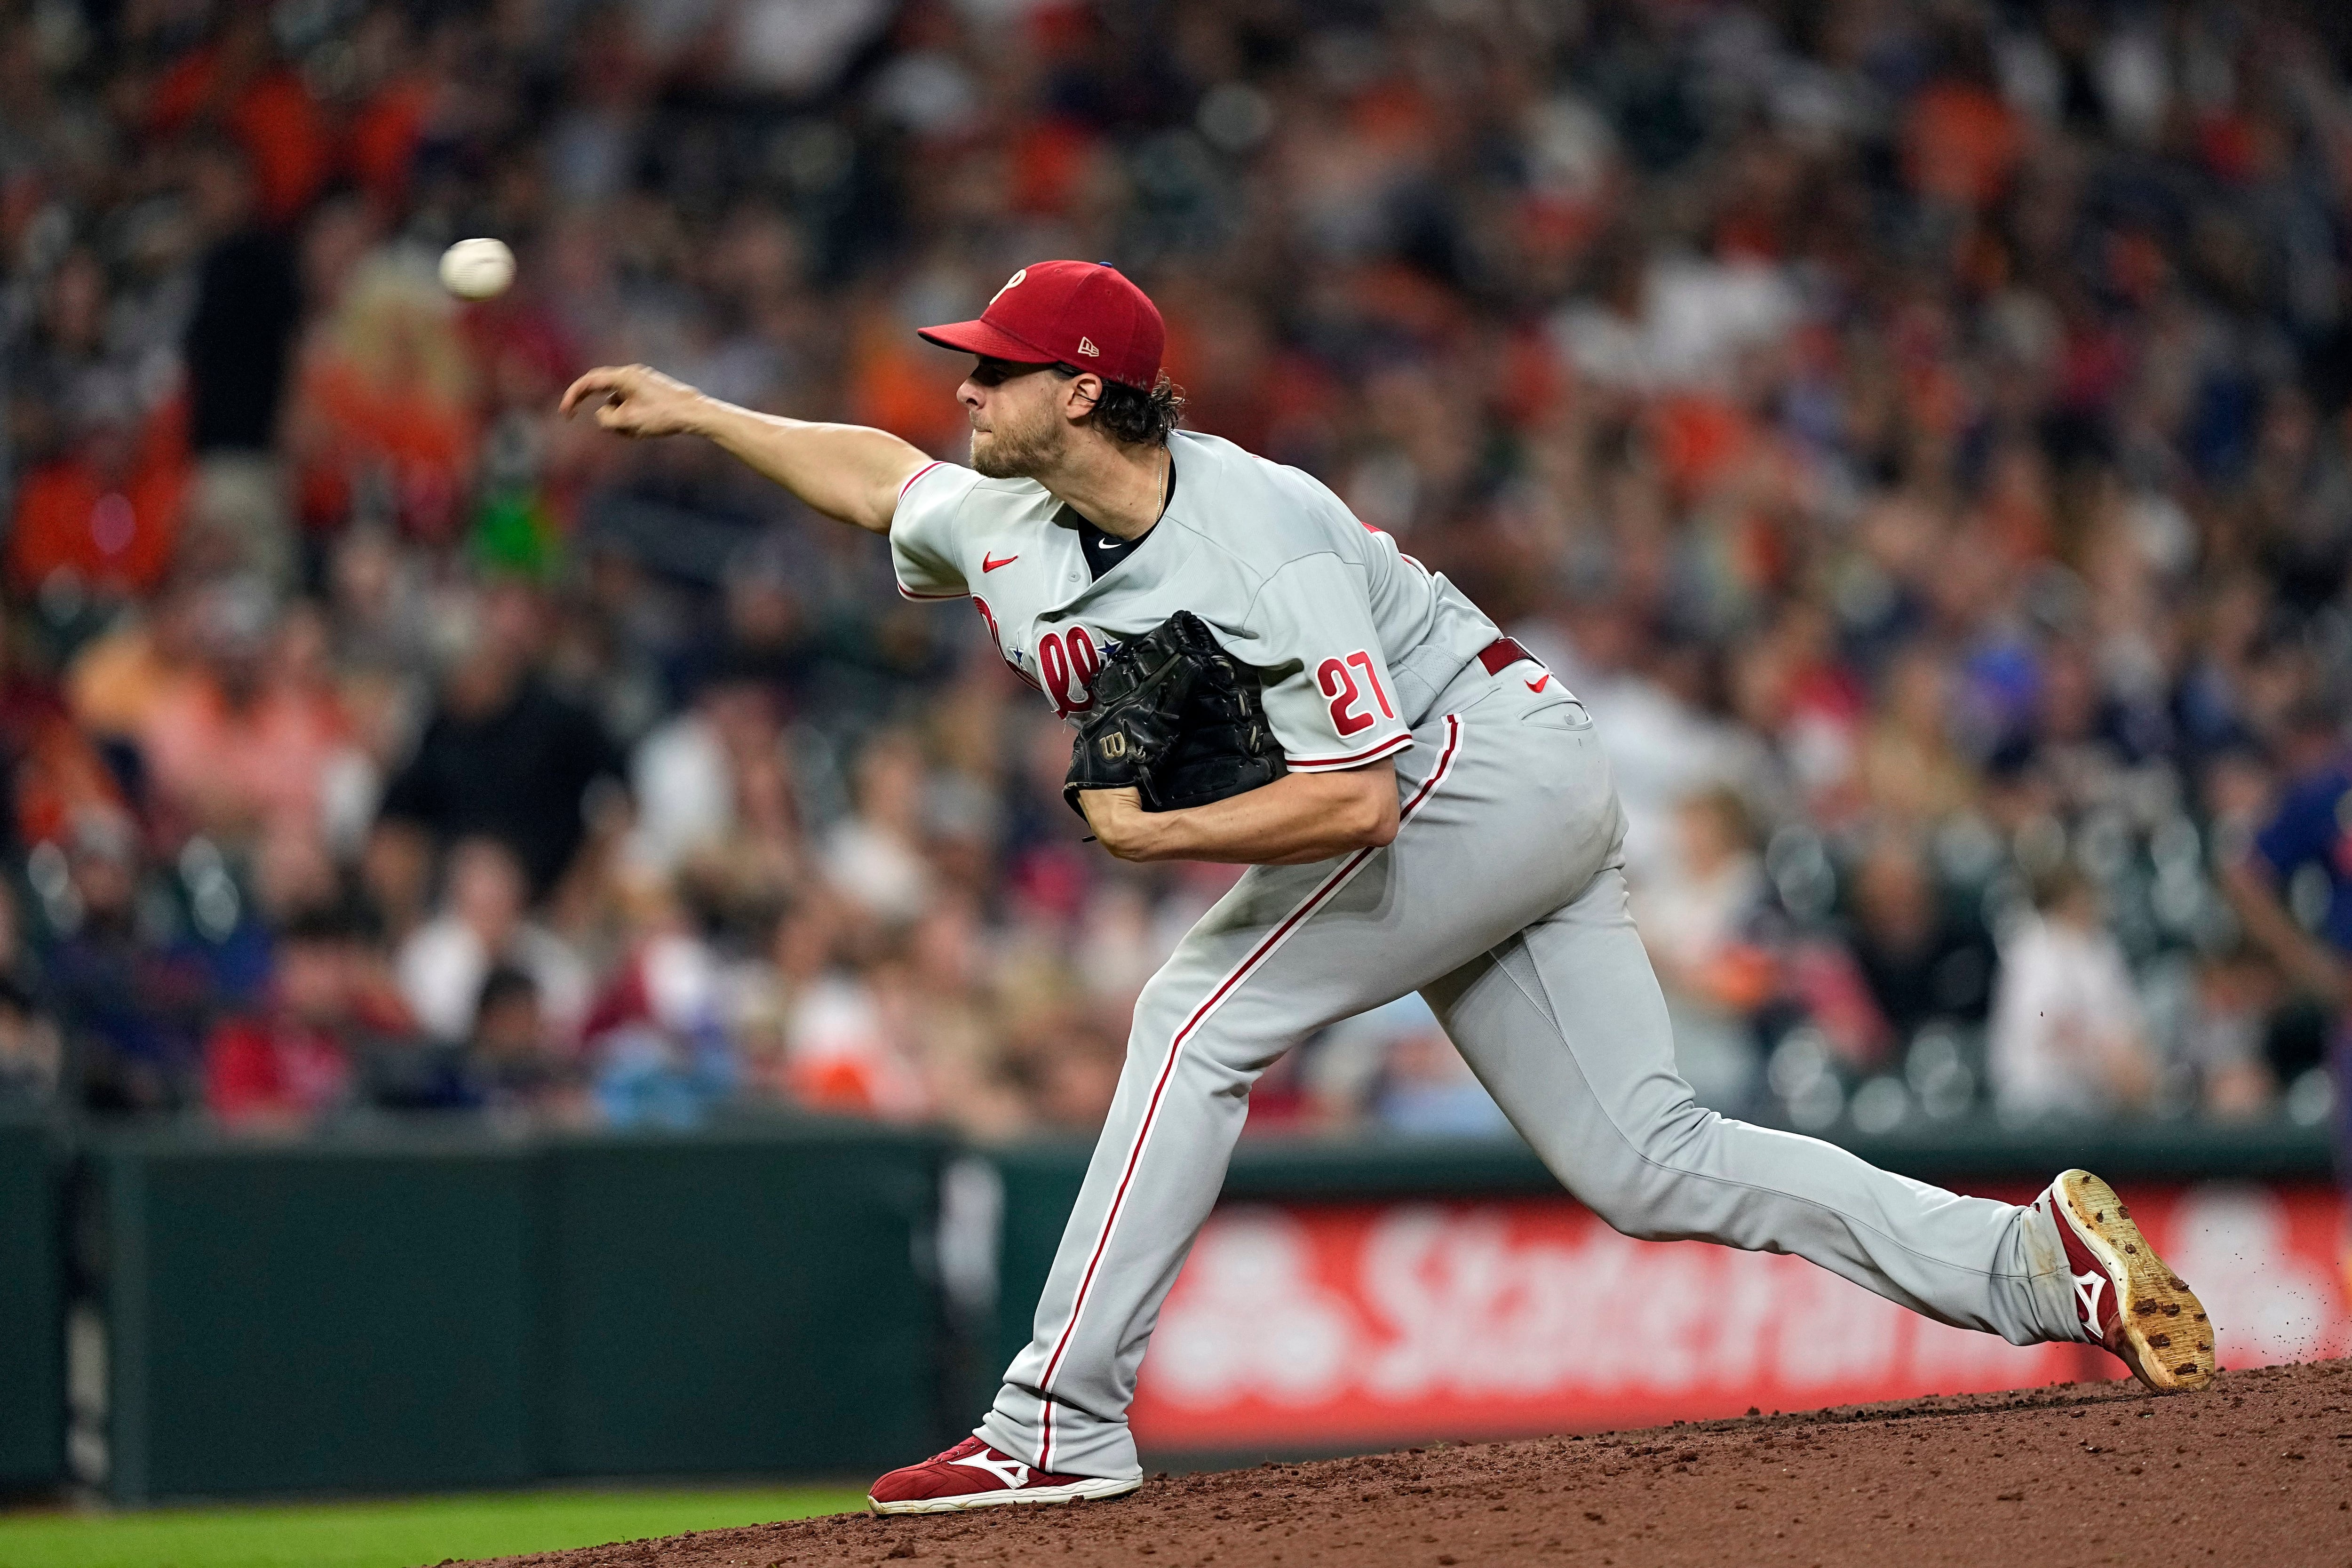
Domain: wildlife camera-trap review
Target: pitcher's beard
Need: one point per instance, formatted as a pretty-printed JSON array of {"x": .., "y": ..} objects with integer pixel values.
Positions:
[{"x": 1010, "y": 454}]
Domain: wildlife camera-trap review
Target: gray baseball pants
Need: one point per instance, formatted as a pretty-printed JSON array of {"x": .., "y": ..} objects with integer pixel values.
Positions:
[{"x": 1502, "y": 901}]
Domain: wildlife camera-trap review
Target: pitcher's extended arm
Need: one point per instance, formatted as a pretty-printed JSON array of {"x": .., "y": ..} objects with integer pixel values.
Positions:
[{"x": 848, "y": 471}]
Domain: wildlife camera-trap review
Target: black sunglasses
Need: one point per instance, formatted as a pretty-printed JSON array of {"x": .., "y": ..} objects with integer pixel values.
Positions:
[{"x": 997, "y": 371}]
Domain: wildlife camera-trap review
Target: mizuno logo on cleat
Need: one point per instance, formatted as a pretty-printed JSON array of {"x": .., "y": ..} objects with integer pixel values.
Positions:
[
  {"x": 2086, "y": 1297},
  {"x": 1011, "y": 1472}
]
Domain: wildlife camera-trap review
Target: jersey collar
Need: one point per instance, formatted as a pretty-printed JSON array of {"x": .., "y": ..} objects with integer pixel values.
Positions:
[{"x": 1067, "y": 519}]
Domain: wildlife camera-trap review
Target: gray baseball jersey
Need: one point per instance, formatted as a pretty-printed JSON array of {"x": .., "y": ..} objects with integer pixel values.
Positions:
[
  {"x": 1353, "y": 639},
  {"x": 1501, "y": 900}
]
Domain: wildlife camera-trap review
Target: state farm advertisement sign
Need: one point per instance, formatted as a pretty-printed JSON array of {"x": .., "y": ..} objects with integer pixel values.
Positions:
[{"x": 1331, "y": 1324}]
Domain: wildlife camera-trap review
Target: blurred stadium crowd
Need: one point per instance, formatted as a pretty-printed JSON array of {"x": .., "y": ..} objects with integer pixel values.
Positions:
[{"x": 1917, "y": 430}]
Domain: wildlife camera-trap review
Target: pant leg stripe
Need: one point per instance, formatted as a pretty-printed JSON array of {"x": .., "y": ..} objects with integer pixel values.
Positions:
[{"x": 1241, "y": 972}]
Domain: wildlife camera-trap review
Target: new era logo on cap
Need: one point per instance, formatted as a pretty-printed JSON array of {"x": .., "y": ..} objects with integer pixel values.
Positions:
[{"x": 1058, "y": 312}]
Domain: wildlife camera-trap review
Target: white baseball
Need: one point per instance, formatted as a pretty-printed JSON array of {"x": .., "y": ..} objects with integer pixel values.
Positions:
[{"x": 478, "y": 269}]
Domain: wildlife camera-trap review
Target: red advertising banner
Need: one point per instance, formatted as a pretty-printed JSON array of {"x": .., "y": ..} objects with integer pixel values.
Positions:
[{"x": 1314, "y": 1325}]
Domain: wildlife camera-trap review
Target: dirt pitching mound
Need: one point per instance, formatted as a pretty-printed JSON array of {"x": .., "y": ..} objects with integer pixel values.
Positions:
[{"x": 2257, "y": 1469}]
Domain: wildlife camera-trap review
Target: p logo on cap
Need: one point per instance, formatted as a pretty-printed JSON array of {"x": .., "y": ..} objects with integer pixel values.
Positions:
[{"x": 1067, "y": 313}]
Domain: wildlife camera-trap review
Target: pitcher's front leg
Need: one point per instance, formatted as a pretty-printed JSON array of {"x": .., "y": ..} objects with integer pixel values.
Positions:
[
  {"x": 1156, "y": 1171},
  {"x": 1290, "y": 949}
]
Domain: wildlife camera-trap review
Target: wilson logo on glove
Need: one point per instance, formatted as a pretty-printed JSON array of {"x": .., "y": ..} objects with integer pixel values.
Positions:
[{"x": 1177, "y": 719}]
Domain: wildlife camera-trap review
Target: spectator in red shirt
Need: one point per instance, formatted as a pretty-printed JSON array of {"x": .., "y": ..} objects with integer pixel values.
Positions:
[
  {"x": 292, "y": 1062},
  {"x": 107, "y": 513},
  {"x": 238, "y": 85}
]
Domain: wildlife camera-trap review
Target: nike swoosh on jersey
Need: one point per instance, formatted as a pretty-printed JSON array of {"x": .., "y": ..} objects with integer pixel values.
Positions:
[
  {"x": 1537, "y": 683},
  {"x": 990, "y": 563},
  {"x": 1108, "y": 543}
]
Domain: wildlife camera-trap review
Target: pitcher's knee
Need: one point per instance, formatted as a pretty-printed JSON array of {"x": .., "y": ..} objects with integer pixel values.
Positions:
[
  {"x": 1235, "y": 1041},
  {"x": 1161, "y": 1004},
  {"x": 1631, "y": 1183},
  {"x": 1633, "y": 1206},
  {"x": 1162, "y": 1009}
]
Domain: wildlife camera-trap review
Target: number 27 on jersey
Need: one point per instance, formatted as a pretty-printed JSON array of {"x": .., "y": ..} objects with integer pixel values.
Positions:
[{"x": 1350, "y": 712}]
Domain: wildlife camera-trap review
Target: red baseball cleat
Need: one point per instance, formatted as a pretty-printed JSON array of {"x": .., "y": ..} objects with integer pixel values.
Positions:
[
  {"x": 2125, "y": 1297},
  {"x": 974, "y": 1475}
]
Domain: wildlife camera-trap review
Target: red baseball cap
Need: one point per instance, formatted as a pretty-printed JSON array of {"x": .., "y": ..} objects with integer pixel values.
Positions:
[{"x": 1067, "y": 313}]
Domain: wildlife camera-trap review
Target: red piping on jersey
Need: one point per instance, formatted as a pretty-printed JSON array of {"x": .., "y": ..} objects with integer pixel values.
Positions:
[
  {"x": 918, "y": 474},
  {"x": 907, "y": 593},
  {"x": 1312, "y": 764},
  {"x": 1257, "y": 956}
]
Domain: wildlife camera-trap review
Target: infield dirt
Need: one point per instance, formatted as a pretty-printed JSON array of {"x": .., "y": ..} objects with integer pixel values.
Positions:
[{"x": 2257, "y": 1469}]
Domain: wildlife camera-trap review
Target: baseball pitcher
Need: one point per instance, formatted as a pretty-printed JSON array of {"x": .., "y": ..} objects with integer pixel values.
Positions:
[{"x": 1256, "y": 677}]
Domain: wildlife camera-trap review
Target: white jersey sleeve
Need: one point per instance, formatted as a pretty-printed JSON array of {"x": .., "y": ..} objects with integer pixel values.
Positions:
[
  {"x": 925, "y": 555},
  {"x": 1328, "y": 693}
]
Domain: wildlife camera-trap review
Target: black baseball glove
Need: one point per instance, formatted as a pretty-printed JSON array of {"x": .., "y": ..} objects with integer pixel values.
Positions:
[{"x": 1175, "y": 718}]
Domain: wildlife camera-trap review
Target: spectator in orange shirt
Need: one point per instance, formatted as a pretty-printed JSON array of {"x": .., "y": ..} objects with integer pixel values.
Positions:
[
  {"x": 384, "y": 409},
  {"x": 116, "y": 679},
  {"x": 243, "y": 749},
  {"x": 1960, "y": 141},
  {"x": 381, "y": 138}
]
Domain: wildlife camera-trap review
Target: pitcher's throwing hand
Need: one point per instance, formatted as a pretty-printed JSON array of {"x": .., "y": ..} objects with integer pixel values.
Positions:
[{"x": 637, "y": 400}]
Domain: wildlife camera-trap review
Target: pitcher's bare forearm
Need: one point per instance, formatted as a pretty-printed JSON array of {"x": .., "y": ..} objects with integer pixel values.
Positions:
[
  {"x": 1297, "y": 819},
  {"x": 847, "y": 471}
]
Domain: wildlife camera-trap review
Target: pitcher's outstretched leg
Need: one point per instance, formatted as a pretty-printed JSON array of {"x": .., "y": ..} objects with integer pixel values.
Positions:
[{"x": 1565, "y": 1025}]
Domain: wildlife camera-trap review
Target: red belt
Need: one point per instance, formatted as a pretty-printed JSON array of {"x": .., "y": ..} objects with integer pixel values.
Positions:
[{"x": 1501, "y": 654}]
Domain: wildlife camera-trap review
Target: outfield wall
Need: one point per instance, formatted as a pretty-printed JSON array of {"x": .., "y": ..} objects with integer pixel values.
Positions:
[
  {"x": 423, "y": 1308},
  {"x": 32, "y": 1326},
  {"x": 417, "y": 1310},
  {"x": 1353, "y": 1296}
]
